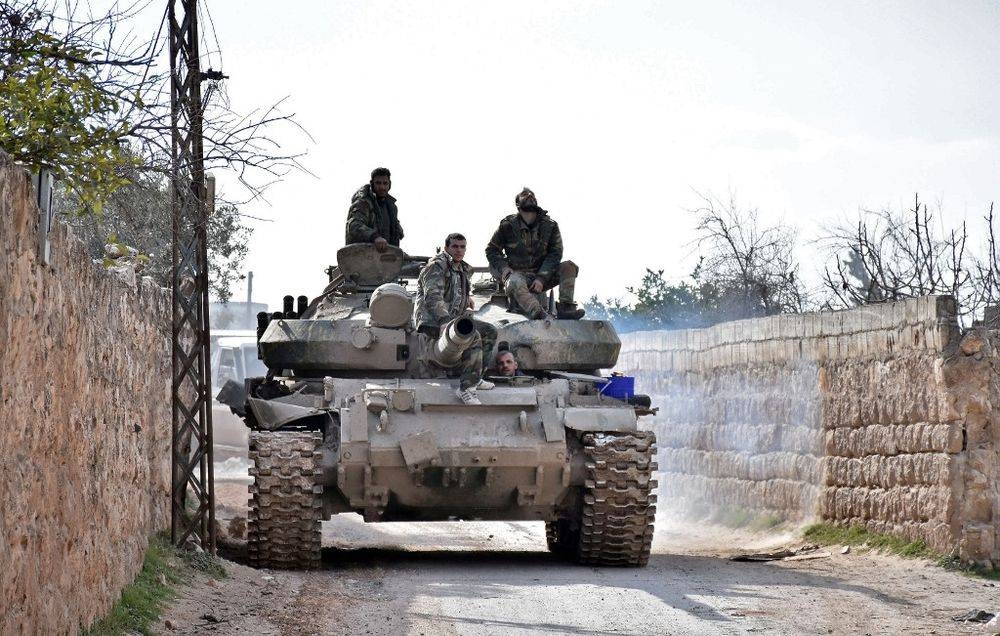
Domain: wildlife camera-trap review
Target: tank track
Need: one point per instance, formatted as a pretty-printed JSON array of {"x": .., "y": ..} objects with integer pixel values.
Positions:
[
  {"x": 283, "y": 528},
  {"x": 616, "y": 523}
]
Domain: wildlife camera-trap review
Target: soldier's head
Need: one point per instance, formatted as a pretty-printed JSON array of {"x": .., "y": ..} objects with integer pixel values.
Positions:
[
  {"x": 527, "y": 205},
  {"x": 381, "y": 181},
  {"x": 525, "y": 199},
  {"x": 455, "y": 245},
  {"x": 506, "y": 363}
]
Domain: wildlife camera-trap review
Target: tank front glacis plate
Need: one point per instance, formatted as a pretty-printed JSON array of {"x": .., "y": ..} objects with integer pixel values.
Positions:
[{"x": 438, "y": 459}]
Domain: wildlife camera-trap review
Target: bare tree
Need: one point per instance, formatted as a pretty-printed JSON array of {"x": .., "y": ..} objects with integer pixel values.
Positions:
[
  {"x": 890, "y": 255},
  {"x": 751, "y": 264},
  {"x": 987, "y": 276}
]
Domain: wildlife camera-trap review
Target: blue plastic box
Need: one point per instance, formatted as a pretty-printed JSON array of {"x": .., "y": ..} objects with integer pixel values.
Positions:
[{"x": 620, "y": 387}]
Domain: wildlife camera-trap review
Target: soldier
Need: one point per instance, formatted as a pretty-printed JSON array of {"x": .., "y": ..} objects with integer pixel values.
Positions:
[
  {"x": 507, "y": 365},
  {"x": 373, "y": 217},
  {"x": 443, "y": 295},
  {"x": 525, "y": 254}
]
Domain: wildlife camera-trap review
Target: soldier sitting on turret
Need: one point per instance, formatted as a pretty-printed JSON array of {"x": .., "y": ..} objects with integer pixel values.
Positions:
[
  {"x": 374, "y": 217},
  {"x": 525, "y": 254},
  {"x": 442, "y": 296}
]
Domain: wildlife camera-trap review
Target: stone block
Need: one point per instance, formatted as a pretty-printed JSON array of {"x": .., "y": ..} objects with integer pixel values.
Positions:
[{"x": 978, "y": 543}]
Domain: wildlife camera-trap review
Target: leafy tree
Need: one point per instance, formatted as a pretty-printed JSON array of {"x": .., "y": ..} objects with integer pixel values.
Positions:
[
  {"x": 54, "y": 111},
  {"x": 138, "y": 215},
  {"x": 661, "y": 304},
  {"x": 83, "y": 96}
]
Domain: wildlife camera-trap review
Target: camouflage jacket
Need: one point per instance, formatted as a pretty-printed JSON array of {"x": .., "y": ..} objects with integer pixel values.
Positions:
[
  {"x": 536, "y": 249},
  {"x": 366, "y": 220},
  {"x": 442, "y": 291}
]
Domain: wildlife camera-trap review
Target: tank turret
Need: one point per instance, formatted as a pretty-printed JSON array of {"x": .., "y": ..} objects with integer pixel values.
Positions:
[{"x": 368, "y": 290}]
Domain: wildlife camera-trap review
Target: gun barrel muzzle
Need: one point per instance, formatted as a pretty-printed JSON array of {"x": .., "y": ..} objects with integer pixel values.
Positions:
[{"x": 456, "y": 337}]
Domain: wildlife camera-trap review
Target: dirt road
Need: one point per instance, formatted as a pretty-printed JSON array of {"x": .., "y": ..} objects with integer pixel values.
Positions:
[{"x": 497, "y": 578}]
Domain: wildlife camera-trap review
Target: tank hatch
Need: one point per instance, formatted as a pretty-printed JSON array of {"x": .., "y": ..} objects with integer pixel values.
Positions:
[{"x": 364, "y": 266}]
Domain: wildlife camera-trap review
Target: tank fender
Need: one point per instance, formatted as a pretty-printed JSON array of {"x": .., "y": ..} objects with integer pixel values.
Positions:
[
  {"x": 271, "y": 415},
  {"x": 233, "y": 395},
  {"x": 600, "y": 419}
]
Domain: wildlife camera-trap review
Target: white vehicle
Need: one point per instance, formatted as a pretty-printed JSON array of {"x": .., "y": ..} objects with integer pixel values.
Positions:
[{"x": 234, "y": 357}]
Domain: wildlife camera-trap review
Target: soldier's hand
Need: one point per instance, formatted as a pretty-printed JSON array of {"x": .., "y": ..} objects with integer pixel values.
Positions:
[
  {"x": 537, "y": 285},
  {"x": 381, "y": 244}
]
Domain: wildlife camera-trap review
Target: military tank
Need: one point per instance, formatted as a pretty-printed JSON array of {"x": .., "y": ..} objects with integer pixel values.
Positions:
[{"x": 357, "y": 414}]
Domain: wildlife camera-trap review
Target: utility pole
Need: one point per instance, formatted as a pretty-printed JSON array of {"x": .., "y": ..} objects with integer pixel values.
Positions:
[
  {"x": 191, "y": 385},
  {"x": 249, "y": 313}
]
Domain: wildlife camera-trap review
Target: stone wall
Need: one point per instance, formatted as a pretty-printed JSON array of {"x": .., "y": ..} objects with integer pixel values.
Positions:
[
  {"x": 84, "y": 423},
  {"x": 881, "y": 416}
]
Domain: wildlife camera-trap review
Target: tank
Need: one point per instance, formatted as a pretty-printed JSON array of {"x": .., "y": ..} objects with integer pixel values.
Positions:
[{"x": 359, "y": 413}]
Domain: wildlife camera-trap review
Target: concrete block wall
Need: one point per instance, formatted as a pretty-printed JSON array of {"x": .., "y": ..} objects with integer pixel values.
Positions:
[
  {"x": 881, "y": 415},
  {"x": 84, "y": 423}
]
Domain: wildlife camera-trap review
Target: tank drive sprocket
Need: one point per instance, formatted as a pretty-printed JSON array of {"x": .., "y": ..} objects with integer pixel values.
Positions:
[
  {"x": 283, "y": 529},
  {"x": 616, "y": 523}
]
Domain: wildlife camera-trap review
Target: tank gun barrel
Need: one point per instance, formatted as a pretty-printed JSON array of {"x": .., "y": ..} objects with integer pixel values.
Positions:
[{"x": 455, "y": 338}]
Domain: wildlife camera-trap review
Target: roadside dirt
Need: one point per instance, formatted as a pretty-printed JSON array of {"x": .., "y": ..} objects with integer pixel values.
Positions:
[{"x": 488, "y": 578}]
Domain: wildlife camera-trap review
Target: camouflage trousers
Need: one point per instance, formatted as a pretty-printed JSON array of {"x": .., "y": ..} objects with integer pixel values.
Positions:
[{"x": 517, "y": 287}]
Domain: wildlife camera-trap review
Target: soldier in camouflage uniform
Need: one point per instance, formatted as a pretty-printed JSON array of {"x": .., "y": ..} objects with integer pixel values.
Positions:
[
  {"x": 443, "y": 295},
  {"x": 525, "y": 256},
  {"x": 374, "y": 217}
]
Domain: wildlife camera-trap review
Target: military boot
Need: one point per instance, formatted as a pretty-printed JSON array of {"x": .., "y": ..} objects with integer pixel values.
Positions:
[
  {"x": 569, "y": 311},
  {"x": 540, "y": 314}
]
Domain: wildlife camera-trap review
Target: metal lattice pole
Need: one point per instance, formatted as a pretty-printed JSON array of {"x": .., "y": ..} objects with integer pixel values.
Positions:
[{"x": 191, "y": 448}]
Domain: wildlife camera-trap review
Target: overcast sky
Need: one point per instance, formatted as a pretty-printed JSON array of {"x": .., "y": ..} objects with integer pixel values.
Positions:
[{"x": 615, "y": 113}]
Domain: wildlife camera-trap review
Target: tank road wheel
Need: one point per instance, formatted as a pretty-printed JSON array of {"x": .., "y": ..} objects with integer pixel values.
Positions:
[
  {"x": 283, "y": 529},
  {"x": 616, "y": 523}
]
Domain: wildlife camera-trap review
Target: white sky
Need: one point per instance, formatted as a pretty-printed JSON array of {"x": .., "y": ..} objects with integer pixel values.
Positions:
[{"x": 614, "y": 113}]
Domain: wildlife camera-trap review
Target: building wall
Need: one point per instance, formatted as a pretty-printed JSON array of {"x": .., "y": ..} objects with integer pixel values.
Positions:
[
  {"x": 84, "y": 423},
  {"x": 881, "y": 416}
]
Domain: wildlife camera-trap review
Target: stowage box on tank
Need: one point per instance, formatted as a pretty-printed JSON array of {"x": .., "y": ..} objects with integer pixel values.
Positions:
[{"x": 358, "y": 414}]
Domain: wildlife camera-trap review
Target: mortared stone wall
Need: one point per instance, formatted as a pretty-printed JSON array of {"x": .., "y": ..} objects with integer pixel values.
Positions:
[
  {"x": 882, "y": 416},
  {"x": 84, "y": 423}
]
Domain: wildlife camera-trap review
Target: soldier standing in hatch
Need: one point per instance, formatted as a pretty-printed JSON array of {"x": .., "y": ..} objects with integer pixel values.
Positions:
[
  {"x": 525, "y": 256},
  {"x": 443, "y": 295},
  {"x": 373, "y": 217},
  {"x": 506, "y": 364}
]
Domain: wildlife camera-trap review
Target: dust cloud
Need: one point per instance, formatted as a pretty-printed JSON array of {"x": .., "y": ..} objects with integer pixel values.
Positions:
[{"x": 737, "y": 448}]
